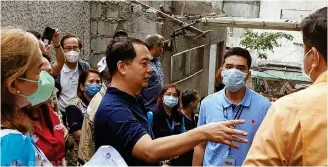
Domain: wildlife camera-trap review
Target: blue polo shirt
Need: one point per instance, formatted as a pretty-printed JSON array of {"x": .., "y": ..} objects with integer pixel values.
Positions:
[
  {"x": 212, "y": 109},
  {"x": 120, "y": 121}
]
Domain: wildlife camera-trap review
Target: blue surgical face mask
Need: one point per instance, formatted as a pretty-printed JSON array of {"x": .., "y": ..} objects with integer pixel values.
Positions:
[
  {"x": 233, "y": 79},
  {"x": 46, "y": 85},
  {"x": 92, "y": 89},
  {"x": 170, "y": 101}
]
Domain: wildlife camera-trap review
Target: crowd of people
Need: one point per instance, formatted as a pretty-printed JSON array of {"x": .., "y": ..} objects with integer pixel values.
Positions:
[{"x": 59, "y": 114}]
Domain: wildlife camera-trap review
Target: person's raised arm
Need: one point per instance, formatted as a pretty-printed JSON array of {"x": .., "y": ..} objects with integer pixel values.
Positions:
[
  {"x": 169, "y": 147},
  {"x": 60, "y": 57}
]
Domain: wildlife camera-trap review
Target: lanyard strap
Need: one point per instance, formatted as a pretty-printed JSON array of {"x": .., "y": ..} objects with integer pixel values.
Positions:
[
  {"x": 170, "y": 126},
  {"x": 183, "y": 129},
  {"x": 237, "y": 116}
]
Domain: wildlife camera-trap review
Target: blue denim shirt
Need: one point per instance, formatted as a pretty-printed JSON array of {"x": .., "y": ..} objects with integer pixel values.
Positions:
[
  {"x": 212, "y": 109},
  {"x": 155, "y": 84}
]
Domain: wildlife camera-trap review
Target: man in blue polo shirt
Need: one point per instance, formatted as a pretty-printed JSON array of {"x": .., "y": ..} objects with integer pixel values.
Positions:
[
  {"x": 235, "y": 101},
  {"x": 121, "y": 119}
]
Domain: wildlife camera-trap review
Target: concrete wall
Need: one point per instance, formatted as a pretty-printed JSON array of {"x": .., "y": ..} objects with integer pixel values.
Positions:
[
  {"x": 95, "y": 22},
  {"x": 69, "y": 17},
  {"x": 243, "y": 8},
  {"x": 201, "y": 80}
]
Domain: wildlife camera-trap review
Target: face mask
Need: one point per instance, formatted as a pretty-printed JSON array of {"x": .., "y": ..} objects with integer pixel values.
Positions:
[
  {"x": 198, "y": 106},
  {"x": 46, "y": 85},
  {"x": 92, "y": 89},
  {"x": 303, "y": 67},
  {"x": 170, "y": 101},
  {"x": 196, "y": 110},
  {"x": 233, "y": 79},
  {"x": 72, "y": 56}
]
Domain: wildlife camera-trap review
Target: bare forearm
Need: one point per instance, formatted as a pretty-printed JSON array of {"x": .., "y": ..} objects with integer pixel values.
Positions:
[
  {"x": 60, "y": 60},
  {"x": 198, "y": 155},
  {"x": 172, "y": 146}
]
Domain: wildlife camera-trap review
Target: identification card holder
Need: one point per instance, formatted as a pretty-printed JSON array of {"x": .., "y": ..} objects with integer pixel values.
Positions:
[{"x": 229, "y": 161}]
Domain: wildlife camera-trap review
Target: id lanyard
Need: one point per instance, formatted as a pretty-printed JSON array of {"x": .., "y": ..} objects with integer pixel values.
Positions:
[
  {"x": 237, "y": 116},
  {"x": 170, "y": 126},
  {"x": 183, "y": 129}
]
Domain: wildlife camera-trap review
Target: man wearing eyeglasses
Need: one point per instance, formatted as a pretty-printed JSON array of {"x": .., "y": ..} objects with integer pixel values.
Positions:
[{"x": 67, "y": 81}]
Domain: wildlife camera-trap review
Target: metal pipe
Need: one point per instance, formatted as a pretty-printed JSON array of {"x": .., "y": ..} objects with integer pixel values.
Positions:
[{"x": 252, "y": 23}]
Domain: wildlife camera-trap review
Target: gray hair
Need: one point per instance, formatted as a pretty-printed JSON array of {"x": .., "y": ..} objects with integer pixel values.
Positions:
[{"x": 153, "y": 40}]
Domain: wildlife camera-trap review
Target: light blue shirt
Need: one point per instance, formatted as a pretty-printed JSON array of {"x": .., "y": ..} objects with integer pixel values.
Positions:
[
  {"x": 16, "y": 149},
  {"x": 211, "y": 110}
]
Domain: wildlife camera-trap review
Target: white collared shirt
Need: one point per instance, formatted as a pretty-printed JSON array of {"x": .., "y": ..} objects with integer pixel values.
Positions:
[{"x": 69, "y": 83}]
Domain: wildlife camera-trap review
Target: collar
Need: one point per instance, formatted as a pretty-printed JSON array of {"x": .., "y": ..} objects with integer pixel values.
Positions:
[
  {"x": 321, "y": 78},
  {"x": 153, "y": 58},
  {"x": 66, "y": 69},
  {"x": 123, "y": 95},
  {"x": 175, "y": 113},
  {"x": 245, "y": 102}
]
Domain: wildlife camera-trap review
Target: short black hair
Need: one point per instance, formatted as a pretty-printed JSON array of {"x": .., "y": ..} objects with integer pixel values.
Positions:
[
  {"x": 120, "y": 49},
  {"x": 70, "y": 36},
  {"x": 35, "y": 33},
  {"x": 314, "y": 30},
  {"x": 239, "y": 52},
  {"x": 120, "y": 33},
  {"x": 188, "y": 97}
]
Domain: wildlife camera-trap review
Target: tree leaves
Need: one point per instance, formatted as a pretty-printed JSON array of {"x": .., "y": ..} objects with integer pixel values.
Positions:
[{"x": 262, "y": 42}]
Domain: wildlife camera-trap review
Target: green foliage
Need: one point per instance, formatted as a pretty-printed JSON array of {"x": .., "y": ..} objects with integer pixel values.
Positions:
[{"x": 262, "y": 42}]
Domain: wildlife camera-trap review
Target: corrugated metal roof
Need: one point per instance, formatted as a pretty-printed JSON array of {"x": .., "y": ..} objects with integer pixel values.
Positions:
[{"x": 271, "y": 74}]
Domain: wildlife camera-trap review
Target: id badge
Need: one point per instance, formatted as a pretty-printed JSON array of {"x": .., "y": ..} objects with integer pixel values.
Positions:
[{"x": 229, "y": 161}]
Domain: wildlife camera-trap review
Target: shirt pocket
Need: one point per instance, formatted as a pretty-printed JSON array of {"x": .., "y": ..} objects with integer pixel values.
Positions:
[{"x": 216, "y": 154}]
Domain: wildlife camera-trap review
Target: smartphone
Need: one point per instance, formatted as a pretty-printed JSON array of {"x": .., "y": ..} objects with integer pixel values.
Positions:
[{"x": 48, "y": 33}]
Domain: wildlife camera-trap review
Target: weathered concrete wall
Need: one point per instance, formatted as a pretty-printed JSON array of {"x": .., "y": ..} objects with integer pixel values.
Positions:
[
  {"x": 95, "y": 22},
  {"x": 199, "y": 81},
  {"x": 193, "y": 7},
  {"x": 68, "y": 16},
  {"x": 109, "y": 17},
  {"x": 244, "y": 8}
]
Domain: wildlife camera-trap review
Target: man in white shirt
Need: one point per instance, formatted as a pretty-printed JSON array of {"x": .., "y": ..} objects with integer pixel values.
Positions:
[{"x": 67, "y": 81}]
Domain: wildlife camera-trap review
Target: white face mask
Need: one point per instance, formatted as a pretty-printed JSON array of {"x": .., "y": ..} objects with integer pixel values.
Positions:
[
  {"x": 72, "y": 56},
  {"x": 303, "y": 67}
]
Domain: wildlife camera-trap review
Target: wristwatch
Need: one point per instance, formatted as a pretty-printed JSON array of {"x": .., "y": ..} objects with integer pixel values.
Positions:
[{"x": 58, "y": 46}]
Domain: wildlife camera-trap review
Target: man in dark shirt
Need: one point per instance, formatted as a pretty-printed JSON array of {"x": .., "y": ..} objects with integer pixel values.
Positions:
[
  {"x": 190, "y": 106},
  {"x": 121, "y": 119}
]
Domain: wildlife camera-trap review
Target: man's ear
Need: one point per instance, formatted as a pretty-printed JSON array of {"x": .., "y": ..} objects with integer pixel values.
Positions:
[
  {"x": 315, "y": 57},
  {"x": 121, "y": 67},
  {"x": 249, "y": 75}
]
